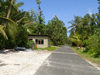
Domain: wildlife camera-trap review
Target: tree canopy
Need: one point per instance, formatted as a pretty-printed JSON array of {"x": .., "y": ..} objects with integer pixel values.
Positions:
[
  {"x": 16, "y": 25},
  {"x": 84, "y": 32}
]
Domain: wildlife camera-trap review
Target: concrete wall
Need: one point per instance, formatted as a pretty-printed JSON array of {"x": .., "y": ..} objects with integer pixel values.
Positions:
[{"x": 45, "y": 39}]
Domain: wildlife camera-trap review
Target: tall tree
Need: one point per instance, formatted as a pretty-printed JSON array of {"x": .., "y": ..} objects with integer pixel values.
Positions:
[
  {"x": 57, "y": 31},
  {"x": 99, "y": 5},
  {"x": 41, "y": 28},
  {"x": 75, "y": 24},
  {"x": 98, "y": 14},
  {"x": 8, "y": 23},
  {"x": 40, "y": 11},
  {"x": 10, "y": 8}
]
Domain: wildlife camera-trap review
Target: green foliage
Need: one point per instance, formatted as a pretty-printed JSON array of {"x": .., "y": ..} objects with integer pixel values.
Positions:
[
  {"x": 41, "y": 29},
  {"x": 22, "y": 37},
  {"x": 51, "y": 43},
  {"x": 86, "y": 55},
  {"x": 99, "y": 5},
  {"x": 84, "y": 26},
  {"x": 38, "y": 1},
  {"x": 16, "y": 25},
  {"x": 29, "y": 44},
  {"x": 93, "y": 45},
  {"x": 52, "y": 48},
  {"x": 9, "y": 25},
  {"x": 34, "y": 46},
  {"x": 2, "y": 31},
  {"x": 2, "y": 42},
  {"x": 76, "y": 40},
  {"x": 10, "y": 43},
  {"x": 85, "y": 32},
  {"x": 57, "y": 31},
  {"x": 13, "y": 24}
]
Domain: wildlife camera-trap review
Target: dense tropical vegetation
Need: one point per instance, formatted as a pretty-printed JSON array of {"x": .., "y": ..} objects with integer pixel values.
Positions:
[
  {"x": 16, "y": 25},
  {"x": 85, "y": 33}
]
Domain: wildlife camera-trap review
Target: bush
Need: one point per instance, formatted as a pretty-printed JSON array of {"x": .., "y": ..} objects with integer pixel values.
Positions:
[
  {"x": 7, "y": 44},
  {"x": 22, "y": 37},
  {"x": 51, "y": 43},
  {"x": 76, "y": 40},
  {"x": 31, "y": 44},
  {"x": 93, "y": 45},
  {"x": 11, "y": 44},
  {"x": 2, "y": 42}
]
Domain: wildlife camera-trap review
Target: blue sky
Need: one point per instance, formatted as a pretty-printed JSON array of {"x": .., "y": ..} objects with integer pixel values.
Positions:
[{"x": 64, "y": 9}]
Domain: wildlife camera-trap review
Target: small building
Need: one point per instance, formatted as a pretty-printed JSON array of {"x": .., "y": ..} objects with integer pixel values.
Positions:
[{"x": 42, "y": 41}]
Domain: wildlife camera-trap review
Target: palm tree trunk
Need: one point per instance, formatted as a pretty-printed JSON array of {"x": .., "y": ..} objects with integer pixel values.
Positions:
[
  {"x": 8, "y": 15},
  {"x": 40, "y": 14},
  {"x": 9, "y": 9}
]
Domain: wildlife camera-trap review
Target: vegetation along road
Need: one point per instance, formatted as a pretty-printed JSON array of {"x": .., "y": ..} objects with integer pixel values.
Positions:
[{"x": 65, "y": 62}]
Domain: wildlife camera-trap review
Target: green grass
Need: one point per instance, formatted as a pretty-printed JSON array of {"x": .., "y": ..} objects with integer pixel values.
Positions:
[
  {"x": 86, "y": 56},
  {"x": 52, "y": 48}
]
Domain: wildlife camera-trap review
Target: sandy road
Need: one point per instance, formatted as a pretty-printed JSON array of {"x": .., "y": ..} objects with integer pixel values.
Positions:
[{"x": 22, "y": 63}]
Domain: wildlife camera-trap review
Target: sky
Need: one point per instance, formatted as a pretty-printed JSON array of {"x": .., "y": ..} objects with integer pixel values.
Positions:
[{"x": 64, "y": 9}]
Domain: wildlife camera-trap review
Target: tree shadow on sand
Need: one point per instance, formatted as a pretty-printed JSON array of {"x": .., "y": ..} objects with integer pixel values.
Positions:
[{"x": 6, "y": 51}]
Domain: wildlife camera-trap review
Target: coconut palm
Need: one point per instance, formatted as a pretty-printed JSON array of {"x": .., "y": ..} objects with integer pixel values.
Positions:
[
  {"x": 40, "y": 11},
  {"x": 6, "y": 22},
  {"x": 11, "y": 27},
  {"x": 75, "y": 24}
]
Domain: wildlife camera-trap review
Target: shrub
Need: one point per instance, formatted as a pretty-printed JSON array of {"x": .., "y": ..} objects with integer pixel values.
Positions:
[
  {"x": 93, "y": 45},
  {"x": 22, "y": 37},
  {"x": 2, "y": 42},
  {"x": 29, "y": 44},
  {"x": 7, "y": 44},
  {"x": 76, "y": 40},
  {"x": 11, "y": 43},
  {"x": 51, "y": 43}
]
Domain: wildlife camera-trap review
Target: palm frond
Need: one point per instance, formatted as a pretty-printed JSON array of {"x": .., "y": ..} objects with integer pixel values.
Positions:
[
  {"x": 19, "y": 4},
  {"x": 21, "y": 19},
  {"x": 6, "y": 20},
  {"x": 28, "y": 23},
  {"x": 2, "y": 31},
  {"x": 11, "y": 26}
]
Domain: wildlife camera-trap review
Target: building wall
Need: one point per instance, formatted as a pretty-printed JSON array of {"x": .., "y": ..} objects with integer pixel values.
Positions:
[{"x": 45, "y": 39}]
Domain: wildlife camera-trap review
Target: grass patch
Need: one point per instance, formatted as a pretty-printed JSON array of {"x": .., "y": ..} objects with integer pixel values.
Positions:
[
  {"x": 86, "y": 56},
  {"x": 52, "y": 48}
]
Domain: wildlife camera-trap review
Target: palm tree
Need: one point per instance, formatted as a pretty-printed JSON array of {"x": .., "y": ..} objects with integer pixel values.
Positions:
[
  {"x": 40, "y": 11},
  {"x": 10, "y": 8},
  {"x": 6, "y": 22},
  {"x": 2, "y": 31},
  {"x": 11, "y": 27},
  {"x": 75, "y": 24},
  {"x": 13, "y": 5}
]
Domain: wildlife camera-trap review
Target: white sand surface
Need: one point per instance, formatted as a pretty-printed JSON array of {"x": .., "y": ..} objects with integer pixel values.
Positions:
[{"x": 22, "y": 62}]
